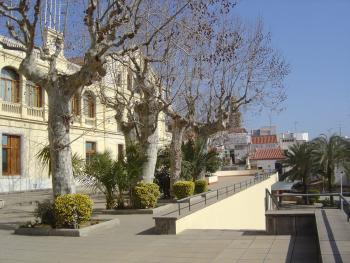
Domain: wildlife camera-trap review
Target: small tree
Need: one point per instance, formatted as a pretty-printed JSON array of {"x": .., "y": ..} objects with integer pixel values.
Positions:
[
  {"x": 328, "y": 153},
  {"x": 299, "y": 160},
  {"x": 103, "y": 174}
]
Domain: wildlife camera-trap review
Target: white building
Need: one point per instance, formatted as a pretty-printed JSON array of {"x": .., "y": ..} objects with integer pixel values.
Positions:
[
  {"x": 23, "y": 123},
  {"x": 234, "y": 143},
  {"x": 267, "y": 159},
  {"x": 287, "y": 139}
]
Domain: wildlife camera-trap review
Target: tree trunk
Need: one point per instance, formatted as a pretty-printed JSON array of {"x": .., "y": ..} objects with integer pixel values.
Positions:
[
  {"x": 60, "y": 150},
  {"x": 178, "y": 129},
  {"x": 306, "y": 198},
  {"x": 330, "y": 188},
  {"x": 151, "y": 149}
]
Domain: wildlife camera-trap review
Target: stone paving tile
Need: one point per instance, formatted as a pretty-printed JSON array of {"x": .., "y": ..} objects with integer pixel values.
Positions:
[
  {"x": 124, "y": 244},
  {"x": 241, "y": 243}
]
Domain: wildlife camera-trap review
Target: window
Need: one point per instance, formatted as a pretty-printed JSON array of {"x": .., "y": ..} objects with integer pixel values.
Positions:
[
  {"x": 118, "y": 78},
  {"x": 11, "y": 155},
  {"x": 9, "y": 85},
  {"x": 120, "y": 151},
  {"x": 89, "y": 105},
  {"x": 34, "y": 95},
  {"x": 90, "y": 150},
  {"x": 75, "y": 105},
  {"x": 129, "y": 80}
]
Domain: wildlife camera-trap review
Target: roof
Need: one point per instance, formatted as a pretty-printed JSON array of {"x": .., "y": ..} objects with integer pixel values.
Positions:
[
  {"x": 264, "y": 139},
  {"x": 237, "y": 130},
  {"x": 268, "y": 154}
]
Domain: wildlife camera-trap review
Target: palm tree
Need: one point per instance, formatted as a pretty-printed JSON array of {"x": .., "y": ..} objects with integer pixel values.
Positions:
[
  {"x": 198, "y": 158},
  {"x": 103, "y": 173},
  {"x": 328, "y": 153},
  {"x": 43, "y": 155},
  {"x": 299, "y": 160}
]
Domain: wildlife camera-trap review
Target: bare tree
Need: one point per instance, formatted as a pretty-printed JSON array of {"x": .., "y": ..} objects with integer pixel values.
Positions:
[
  {"x": 224, "y": 69},
  {"x": 243, "y": 70},
  {"x": 151, "y": 94}
]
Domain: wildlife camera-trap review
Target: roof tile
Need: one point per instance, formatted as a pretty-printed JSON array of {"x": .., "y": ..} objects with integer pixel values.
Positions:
[
  {"x": 268, "y": 154},
  {"x": 264, "y": 139}
]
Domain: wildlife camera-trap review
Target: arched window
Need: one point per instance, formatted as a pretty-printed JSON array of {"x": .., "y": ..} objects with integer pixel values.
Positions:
[
  {"x": 89, "y": 105},
  {"x": 9, "y": 85},
  {"x": 75, "y": 104},
  {"x": 34, "y": 95}
]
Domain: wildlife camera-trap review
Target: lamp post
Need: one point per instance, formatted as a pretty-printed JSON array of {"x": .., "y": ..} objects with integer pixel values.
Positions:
[{"x": 341, "y": 189}]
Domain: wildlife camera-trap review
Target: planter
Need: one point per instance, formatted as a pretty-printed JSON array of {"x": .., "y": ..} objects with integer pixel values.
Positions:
[
  {"x": 211, "y": 179},
  {"x": 81, "y": 232}
]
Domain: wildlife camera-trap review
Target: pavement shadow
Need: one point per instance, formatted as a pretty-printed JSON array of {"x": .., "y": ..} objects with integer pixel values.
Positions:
[
  {"x": 149, "y": 231},
  {"x": 10, "y": 225}
]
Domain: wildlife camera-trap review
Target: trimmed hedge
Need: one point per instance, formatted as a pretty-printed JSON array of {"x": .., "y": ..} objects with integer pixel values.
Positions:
[
  {"x": 146, "y": 195},
  {"x": 200, "y": 186},
  {"x": 183, "y": 189},
  {"x": 72, "y": 210}
]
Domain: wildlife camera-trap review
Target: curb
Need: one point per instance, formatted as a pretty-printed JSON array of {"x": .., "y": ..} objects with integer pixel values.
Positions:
[{"x": 66, "y": 232}]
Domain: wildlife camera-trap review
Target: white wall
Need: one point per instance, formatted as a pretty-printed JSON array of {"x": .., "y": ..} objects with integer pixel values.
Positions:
[{"x": 244, "y": 210}]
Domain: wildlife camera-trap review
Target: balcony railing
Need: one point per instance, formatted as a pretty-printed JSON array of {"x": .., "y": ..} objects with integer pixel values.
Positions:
[
  {"x": 11, "y": 107},
  {"x": 23, "y": 111},
  {"x": 35, "y": 112}
]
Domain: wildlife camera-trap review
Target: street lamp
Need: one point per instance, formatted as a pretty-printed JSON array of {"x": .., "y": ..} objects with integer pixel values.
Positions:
[{"x": 341, "y": 189}]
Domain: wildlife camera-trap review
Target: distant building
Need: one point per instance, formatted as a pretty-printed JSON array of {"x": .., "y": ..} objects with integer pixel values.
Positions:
[
  {"x": 267, "y": 159},
  {"x": 266, "y": 130},
  {"x": 232, "y": 144},
  {"x": 263, "y": 142},
  {"x": 287, "y": 139}
]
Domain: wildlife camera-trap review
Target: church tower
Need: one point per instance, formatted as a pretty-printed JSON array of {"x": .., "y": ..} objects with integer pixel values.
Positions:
[{"x": 52, "y": 32}]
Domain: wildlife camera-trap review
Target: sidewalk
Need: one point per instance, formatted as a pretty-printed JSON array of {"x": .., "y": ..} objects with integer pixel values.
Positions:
[{"x": 127, "y": 244}]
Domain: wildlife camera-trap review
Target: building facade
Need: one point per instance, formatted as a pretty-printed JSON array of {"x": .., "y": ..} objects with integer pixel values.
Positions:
[
  {"x": 23, "y": 124},
  {"x": 233, "y": 144},
  {"x": 287, "y": 139}
]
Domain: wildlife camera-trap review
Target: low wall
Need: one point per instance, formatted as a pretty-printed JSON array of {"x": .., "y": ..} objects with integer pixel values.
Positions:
[
  {"x": 243, "y": 210},
  {"x": 291, "y": 222},
  {"x": 236, "y": 173}
]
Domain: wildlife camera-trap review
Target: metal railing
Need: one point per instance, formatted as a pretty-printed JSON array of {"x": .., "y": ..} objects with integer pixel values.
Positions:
[
  {"x": 225, "y": 191},
  {"x": 343, "y": 203},
  {"x": 271, "y": 202}
]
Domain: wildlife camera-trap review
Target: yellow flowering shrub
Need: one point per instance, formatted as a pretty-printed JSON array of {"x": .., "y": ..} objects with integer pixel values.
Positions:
[
  {"x": 146, "y": 195},
  {"x": 72, "y": 210}
]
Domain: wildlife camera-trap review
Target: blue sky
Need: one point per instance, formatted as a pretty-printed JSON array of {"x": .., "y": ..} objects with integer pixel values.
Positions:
[{"x": 314, "y": 37}]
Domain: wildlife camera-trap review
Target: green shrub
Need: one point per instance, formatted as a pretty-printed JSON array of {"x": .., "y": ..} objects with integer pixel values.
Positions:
[
  {"x": 200, "y": 186},
  {"x": 314, "y": 199},
  {"x": 45, "y": 213},
  {"x": 72, "y": 210},
  {"x": 183, "y": 189},
  {"x": 146, "y": 195}
]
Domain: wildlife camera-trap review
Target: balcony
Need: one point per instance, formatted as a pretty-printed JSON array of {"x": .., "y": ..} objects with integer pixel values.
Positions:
[
  {"x": 10, "y": 108},
  {"x": 35, "y": 113}
]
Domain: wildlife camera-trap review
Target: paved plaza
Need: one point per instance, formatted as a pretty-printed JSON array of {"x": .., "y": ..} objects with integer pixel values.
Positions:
[{"x": 133, "y": 241}]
